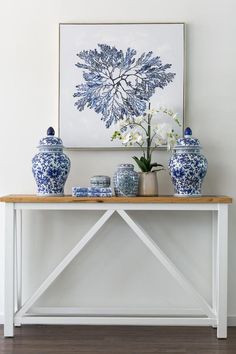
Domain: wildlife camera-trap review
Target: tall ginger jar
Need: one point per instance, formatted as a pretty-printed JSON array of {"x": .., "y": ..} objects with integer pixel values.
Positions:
[
  {"x": 187, "y": 166},
  {"x": 50, "y": 166}
]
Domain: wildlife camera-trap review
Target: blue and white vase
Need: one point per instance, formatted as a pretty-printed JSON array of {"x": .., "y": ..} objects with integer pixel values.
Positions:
[
  {"x": 125, "y": 181},
  {"x": 50, "y": 166},
  {"x": 187, "y": 166}
]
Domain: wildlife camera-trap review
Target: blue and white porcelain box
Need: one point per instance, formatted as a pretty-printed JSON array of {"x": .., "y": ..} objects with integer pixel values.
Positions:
[
  {"x": 187, "y": 166},
  {"x": 50, "y": 166},
  {"x": 100, "y": 181}
]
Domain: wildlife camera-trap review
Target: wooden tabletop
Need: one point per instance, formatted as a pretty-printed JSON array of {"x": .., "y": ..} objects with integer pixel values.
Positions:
[{"x": 28, "y": 198}]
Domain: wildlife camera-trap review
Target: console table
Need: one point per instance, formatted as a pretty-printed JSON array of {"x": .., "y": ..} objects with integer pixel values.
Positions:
[{"x": 213, "y": 314}]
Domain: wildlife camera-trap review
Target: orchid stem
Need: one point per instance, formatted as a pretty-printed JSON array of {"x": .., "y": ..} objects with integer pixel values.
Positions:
[{"x": 149, "y": 134}]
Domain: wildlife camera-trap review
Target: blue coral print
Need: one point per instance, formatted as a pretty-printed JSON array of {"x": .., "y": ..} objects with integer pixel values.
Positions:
[{"x": 117, "y": 83}]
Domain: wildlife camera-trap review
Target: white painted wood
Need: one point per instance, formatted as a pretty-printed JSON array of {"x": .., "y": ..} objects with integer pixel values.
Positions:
[
  {"x": 166, "y": 262},
  {"x": 9, "y": 269},
  {"x": 115, "y": 206},
  {"x": 222, "y": 270},
  {"x": 18, "y": 261},
  {"x": 137, "y": 321},
  {"x": 19, "y": 257},
  {"x": 15, "y": 263},
  {"x": 115, "y": 311},
  {"x": 214, "y": 261},
  {"x": 231, "y": 320},
  {"x": 65, "y": 262},
  {"x": 136, "y": 316}
]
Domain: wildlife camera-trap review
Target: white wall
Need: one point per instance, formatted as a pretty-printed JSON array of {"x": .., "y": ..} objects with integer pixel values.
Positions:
[{"x": 29, "y": 101}]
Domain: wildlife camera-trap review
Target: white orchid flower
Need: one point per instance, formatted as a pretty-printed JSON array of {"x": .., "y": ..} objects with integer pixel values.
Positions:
[
  {"x": 175, "y": 117},
  {"x": 151, "y": 111},
  {"x": 162, "y": 132},
  {"x": 126, "y": 138},
  {"x": 159, "y": 107},
  {"x": 171, "y": 140},
  {"x": 151, "y": 128},
  {"x": 122, "y": 122},
  {"x": 137, "y": 138},
  {"x": 139, "y": 119},
  {"x": 155, "y": 128}
]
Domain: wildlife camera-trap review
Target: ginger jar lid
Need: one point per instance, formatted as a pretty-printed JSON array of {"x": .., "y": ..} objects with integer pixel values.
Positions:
[
  {"x": 188, "y": 141},
  {"x": 126, "y": 166},
  {"x": 50, "y": 141}
]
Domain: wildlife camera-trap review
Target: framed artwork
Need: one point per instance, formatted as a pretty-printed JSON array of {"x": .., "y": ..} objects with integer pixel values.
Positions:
[{"x": 108, "y": 72}]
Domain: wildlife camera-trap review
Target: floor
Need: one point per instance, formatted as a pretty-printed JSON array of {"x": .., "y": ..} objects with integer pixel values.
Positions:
[{"x": 117, "y": 340}]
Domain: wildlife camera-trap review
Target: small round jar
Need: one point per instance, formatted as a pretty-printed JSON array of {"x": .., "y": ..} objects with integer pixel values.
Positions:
[
  {"x": 187, "y": 166},
  {"x": 126, "y": 181},
  {"x": 50, "y": 166},
  {"x": 100, "y": 181}
]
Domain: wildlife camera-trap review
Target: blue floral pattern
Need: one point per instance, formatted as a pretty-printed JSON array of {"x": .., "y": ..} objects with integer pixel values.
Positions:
[
  {"x": 50, "y": 140},
  {"x": 188, "y": 142},
  {"x": 50, "y": 167},
  {"x": 118, "y": 84},
  {"x": 187, "y": 167},
  {"x": 126, "y": 181},
  {"x": 50, "y": 172}
]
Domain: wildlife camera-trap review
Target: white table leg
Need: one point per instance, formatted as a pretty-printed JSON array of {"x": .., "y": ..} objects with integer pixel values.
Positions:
[
  {"x": 9, "y": 269},
  {"x": 221, "y": 271},
  {"x": 214, "y": 263},
  {"x": 18, "y": 262}
]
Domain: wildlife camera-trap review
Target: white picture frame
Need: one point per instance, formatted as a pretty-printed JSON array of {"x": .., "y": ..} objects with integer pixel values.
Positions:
[{"x": 84, "y": 128}]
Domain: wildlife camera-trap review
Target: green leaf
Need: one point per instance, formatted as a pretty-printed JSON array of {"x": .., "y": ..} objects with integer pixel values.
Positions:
[
  {"x": 160, "y": 169},
  {"x": 146, "y": 162},
  {"x": 154, "y": 164},
  {"x": 141, "y": 164}
]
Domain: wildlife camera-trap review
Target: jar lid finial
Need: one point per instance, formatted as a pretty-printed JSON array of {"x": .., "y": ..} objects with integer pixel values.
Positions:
[
  {"x": 187, "y": 132},
  {"x": 50, "y": 131},
  {"x": 51, "y": 141}
]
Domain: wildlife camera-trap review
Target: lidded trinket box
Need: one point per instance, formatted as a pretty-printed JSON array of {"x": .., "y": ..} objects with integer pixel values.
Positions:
[
  {"x": 50, "y": 166},
  {"x": 100, "y": 181}
]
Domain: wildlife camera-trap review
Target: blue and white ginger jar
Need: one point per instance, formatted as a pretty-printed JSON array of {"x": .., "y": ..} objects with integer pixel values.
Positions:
[
  {"x": 187, "y": 166},
  {"x": 125, "y": 181},
  {"x": 50, "y": 166}
]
